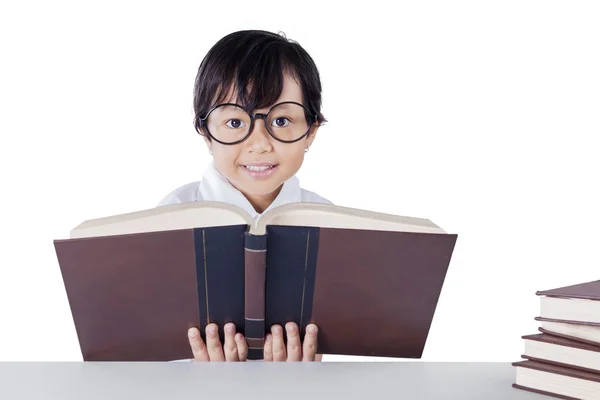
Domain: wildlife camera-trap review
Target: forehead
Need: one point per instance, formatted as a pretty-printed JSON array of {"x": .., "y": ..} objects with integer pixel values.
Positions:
[{"x": 291, "y": 91}]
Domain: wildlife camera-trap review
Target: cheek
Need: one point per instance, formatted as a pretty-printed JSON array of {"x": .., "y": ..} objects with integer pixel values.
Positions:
[
  {"x": 291, "y": 155},
  {"x": 226, "y": 157}
]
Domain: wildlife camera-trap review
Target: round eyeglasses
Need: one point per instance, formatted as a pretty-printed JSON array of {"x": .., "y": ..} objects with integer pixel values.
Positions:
[{"x": 286, "y": 122}]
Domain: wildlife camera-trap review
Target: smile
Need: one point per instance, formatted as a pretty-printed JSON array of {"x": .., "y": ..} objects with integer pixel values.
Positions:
[
  {"x": 259, "y": 170},
  {"x": 259, "y": 167}
]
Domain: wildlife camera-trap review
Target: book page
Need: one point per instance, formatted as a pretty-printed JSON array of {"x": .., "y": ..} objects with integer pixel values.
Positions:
[
  {"x": 331, "y": 216},
  {"x": 169, "y": 217}
]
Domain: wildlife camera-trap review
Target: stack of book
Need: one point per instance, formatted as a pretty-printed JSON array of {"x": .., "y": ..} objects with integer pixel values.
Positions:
[{"x": 563, "y": 360}]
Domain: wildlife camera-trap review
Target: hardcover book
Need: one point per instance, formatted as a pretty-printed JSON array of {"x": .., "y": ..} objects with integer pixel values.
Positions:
[
  {"x": 561, "y": 351},
  {"x": 136, "y": 282},
  {"x": 556, "y": 381},
  {"x": 572, "y": 330},
  {"x": 578, "y": 303}
]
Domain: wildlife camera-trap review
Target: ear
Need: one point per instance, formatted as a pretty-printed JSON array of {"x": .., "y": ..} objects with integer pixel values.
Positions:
[
  {"x": 207, "y": 141},
  {"x": 311, "y": 136}
]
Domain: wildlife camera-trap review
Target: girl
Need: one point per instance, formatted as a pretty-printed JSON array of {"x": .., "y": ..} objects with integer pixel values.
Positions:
[{"x": 257, "y": 103}]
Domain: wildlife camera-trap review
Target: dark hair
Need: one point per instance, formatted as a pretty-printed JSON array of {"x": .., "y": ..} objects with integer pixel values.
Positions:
[{"x": 259, "y": 59}]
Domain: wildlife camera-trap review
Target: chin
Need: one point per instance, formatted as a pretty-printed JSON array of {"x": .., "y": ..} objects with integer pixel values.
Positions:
[
  {"x": 260, "y": 189},
  {"x": 260, "y": 183}
]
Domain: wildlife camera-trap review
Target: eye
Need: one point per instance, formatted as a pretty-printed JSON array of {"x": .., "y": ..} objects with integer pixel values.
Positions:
[
  {"x": 281, "y": 122},
  {"x": 235, "y": 123}
]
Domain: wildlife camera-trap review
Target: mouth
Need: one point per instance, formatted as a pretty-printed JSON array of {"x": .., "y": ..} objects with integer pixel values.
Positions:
[
  {"x": 259, "y": 170},
  {"x": 259, "y": 167},
  {"x": 262, "y": 166}
]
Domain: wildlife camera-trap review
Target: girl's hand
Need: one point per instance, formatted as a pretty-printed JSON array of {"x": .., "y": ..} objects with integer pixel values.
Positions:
[
  {"x": 275, "y": 348},
  {"x": 234, "y": 349}
]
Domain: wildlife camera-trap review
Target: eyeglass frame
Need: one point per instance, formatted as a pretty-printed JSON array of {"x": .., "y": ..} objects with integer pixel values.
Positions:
[{"x": 253, "y": 118}]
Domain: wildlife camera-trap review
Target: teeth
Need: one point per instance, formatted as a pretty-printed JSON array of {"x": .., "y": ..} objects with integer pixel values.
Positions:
[{"x": 258, "y": 168}]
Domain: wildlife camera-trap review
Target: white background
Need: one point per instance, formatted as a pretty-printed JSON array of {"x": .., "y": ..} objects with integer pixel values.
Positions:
[{"x": 482, "y": 116}]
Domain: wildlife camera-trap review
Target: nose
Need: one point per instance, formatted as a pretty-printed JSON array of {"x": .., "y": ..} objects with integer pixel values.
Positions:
[{"x": 259, "y": 140}]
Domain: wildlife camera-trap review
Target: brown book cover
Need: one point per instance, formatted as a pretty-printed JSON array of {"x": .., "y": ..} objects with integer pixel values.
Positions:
[
  {"x": 554, "y": 369},
  {"x": 368, "y": 281},
  {"x": 137, "y": 282},
  {"x": 587, "y": 290},
  {"x": 133, "y": 297},
  {"x": 121, "y": 296},
  {"x": 567, "y": 321}
]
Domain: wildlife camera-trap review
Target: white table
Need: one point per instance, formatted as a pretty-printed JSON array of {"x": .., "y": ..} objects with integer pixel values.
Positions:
[{"x": 260, "y": 380}]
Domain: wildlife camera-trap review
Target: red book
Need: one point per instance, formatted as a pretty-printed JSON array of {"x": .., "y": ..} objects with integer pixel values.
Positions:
[
  {"x": 556, "y": 381},
  {"x": 561, "y": 351},
  {"x": 572, "y": 312}
]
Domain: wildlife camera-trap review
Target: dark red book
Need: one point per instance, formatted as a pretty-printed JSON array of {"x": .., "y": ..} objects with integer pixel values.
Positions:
[
  {"x": 562, "y": 351},
  {"x": 137, "y": 282},
  {"x": 576, "y": 303},
  {"x": 556, "y": 381},
  {"x": 582, "y": 332}
]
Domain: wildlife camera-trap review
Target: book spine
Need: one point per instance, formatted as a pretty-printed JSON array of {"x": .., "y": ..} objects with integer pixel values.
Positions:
[{"x": 255, "y": 266}]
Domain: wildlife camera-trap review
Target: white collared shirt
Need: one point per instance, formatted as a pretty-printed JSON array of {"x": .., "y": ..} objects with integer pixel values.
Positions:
[{"x": 215, "y": 187}]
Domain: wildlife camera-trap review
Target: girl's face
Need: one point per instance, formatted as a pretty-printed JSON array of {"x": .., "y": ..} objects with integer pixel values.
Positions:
[{"x": 243, "y": 164}]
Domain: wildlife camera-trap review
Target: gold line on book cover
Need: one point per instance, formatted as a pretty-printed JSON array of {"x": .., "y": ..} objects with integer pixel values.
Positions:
[
  {"x": 304, "y": 285},
  {"x": 255, "y": 251},
  {"x": 205, "y": 276}
]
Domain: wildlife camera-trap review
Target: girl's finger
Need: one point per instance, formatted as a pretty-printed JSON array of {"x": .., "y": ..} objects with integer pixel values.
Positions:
[
  {"x": 268, "y": 349},
  {"x": 279, "y": 353},
  {"x": 197, "y": 345},
  {"x": 309, "y": 347},
  {"x": 242, "y": 347},
  {"x": 213, "y": 343},
  {"x": 230, "y": 347},
  {"x": 294, "y": 346}
]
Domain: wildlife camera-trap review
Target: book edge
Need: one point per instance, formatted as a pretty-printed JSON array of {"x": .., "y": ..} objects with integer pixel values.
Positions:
[
  {"x": 260, "y": 224},
  {"x": 566, "y": 291},
  {"x": 542, "y": 392},
  {"x": 150, "y": 212},
  {"x": 565, "y": 371},
  {"x": 546, "y": 338}
]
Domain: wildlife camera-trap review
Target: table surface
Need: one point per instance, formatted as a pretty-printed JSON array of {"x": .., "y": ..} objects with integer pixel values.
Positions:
[{"x": 260, "y": 380}]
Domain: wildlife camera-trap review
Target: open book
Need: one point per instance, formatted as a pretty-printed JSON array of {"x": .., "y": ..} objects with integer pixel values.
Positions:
[{"x": 136, "y": 282}]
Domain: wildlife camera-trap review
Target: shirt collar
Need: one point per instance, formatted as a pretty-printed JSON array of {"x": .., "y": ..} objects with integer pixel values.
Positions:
[{"x": 215, "y": 187}]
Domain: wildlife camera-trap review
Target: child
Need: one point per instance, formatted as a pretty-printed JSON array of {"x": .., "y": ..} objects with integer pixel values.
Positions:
[{"x": 257, "y": 101}]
